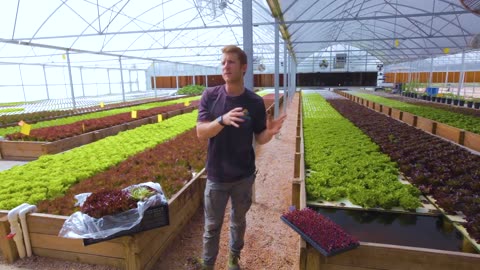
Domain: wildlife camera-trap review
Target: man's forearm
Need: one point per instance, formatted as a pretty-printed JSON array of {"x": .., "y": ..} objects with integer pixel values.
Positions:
[
  {"x": 264, "y": 137},
  {"x": 207, "y": 130}
]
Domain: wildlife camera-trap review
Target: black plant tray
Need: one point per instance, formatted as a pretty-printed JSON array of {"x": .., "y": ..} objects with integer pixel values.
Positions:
[
  {"x": 154, "y": 217},
  {"x": 315, "y": 244}
]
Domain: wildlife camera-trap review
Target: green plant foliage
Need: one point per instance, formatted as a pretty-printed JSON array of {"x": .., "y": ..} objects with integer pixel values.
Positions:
[
  {"x": 263, "y": 93},
  {"x": 9, "y": 104},
  {"x": 141, "y": 193},
  {"x": 413, "y": 86},
  {"x": 73, "y": 119},
  {"x": 342, "y": 162},
  {"x": 51, "y": 175},
  {"x": 191, "y": 90},
  {"x": 461, "y": 121},
  {"x": 11, "y": 110}
]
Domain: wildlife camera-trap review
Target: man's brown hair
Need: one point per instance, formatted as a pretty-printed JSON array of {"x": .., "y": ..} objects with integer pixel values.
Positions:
[{"x": 242, "y": 56}]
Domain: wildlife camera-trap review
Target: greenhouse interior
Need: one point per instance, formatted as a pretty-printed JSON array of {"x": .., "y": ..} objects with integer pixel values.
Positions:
[{"x": 376, "y": 165}]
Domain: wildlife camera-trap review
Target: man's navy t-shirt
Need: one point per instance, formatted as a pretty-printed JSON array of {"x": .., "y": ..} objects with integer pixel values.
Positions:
[{"x": 231, "y": 156}]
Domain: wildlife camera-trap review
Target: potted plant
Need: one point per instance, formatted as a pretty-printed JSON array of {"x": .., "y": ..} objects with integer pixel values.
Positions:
[
  {"x": 439, "y": 98},
  {"x": 476, "y": 103},
  {"x": 470, "y": 103},
  {"x": 455, "y": 101},
  {"x": 323, "y": 64}
]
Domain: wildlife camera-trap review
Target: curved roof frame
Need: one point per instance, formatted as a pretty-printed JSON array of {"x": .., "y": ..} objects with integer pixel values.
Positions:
[
  {"x": 393, "y": 31},
  {"x": 428, "y": 26}
]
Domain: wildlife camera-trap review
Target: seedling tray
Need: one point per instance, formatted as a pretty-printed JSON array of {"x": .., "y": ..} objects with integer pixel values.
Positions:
[
  {"x": 315, "y": 244},
  {"x": 154, "y": 217}
]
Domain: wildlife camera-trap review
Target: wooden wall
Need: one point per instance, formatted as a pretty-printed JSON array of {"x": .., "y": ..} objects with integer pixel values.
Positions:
[
  {"x": 259, "y": 80},
  {"x": 437, "y": 77},
  {"x": 267, "y": 80}
]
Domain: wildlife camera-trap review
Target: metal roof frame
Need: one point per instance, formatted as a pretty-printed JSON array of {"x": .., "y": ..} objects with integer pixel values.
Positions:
[{"x": 393, "y": 31}]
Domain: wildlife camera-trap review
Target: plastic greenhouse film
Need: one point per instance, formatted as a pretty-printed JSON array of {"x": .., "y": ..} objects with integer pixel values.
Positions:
[{"x": 80, "y": 225}]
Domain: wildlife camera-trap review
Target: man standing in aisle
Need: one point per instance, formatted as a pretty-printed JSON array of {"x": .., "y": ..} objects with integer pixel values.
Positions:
[{"x": 230, "y": 116}]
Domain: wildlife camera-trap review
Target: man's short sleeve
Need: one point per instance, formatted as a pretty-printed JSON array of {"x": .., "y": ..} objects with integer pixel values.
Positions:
[
  {"x": 261, "y": 118},
  {"x": 203, "y": 112}
]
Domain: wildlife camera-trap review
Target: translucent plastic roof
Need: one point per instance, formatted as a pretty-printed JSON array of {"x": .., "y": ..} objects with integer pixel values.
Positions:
[
  {"x": 391, "y": 30},
  {"x": 188, "y": 31},
  {"x": 193, "y": 31}
]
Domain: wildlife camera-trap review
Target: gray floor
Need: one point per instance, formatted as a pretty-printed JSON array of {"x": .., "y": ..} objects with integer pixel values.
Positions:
[{"x": 7, "y": 164}]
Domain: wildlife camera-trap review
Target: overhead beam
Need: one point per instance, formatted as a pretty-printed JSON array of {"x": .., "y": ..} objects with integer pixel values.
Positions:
[
  {"x": 209, "y": 27},
  {"x": 296, "y": 42},
  {"x": 38, "y": 45},
  {"x": 381, "y": 39}
]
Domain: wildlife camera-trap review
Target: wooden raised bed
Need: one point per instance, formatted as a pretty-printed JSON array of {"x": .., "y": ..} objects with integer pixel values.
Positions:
[
  {"x": 370, "y": 255},
  {"x": 466, "y": 138},
  {"x": 136, "y": 252},
  {"x": 382, "y": 256},
  {"x": 28, "y": 150}
]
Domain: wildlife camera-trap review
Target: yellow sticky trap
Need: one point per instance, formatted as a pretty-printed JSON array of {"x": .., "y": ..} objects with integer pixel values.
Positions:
[
  {"x": 186, "y": 103},
  {"x": 102, "y": 104},
  {"x": 134, "y": 114},
  {"x": 397, "y": 42},
  {"x": 64, "y": 56},
  {"x": 446, "y": 50},
  {"x": 160, "y": 118},
  {"x": 26, "y": 129}
]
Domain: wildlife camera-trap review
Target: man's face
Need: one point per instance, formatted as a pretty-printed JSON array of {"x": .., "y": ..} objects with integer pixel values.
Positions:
[{"x": 232, "y": 70}]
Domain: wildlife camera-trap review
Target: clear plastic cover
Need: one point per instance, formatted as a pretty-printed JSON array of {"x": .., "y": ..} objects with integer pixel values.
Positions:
[{"x": 80, "y": 225}]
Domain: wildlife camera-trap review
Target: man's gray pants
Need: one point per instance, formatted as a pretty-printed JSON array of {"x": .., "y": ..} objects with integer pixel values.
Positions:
[{"x": 215, "y": 201}]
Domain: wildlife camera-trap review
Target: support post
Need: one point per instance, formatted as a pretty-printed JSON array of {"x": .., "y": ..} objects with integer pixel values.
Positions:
[
  {"x": 154, "y": 80},
  {"x": 71, "y": 80},
  {"x": 121, "y": 77},
  {"x": 462, "y": 76},
  {"x": 109, "y": 83},
  {"x": 46, "y": 82},
  {"x": 130, "y": 79},
  {"x": 285, "y": 92},
  {"x": 23, "y": 86},
  {"x": 277, "y": 69},
  {"x": 138, "y": 84},
  {"x": 248, "y": 42},
  {"x": 430, "y": 78},
  {"x": 81, "y": 79}
]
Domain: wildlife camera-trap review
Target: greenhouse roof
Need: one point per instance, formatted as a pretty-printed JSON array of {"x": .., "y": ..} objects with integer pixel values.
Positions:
[{"x": 96, "y": 33}]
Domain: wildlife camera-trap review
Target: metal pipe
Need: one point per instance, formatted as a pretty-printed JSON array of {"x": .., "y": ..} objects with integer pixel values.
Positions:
[
  {"x": 46, "y": 82},
  {"x": 248, "y": 42},
  {"x": 154, "y": 80},
  {"x": 81, "y": 78},
  {"x": 285, "y": 60},
  {"x": 71, "y": 80},
  {"x": 21, "y": 79},
  {"x": 130, "y": 79},
  {"x": 23, "y": 221},
  {"x": 276, "y": 78},
  {"x": 109, "y": 83},
  {"x": 121, "y": 77},
  {"x": 462, "y": 76}
]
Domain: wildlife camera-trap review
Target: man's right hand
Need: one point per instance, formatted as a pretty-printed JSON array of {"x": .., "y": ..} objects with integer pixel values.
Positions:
[{"x": 234, "y": 117}]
